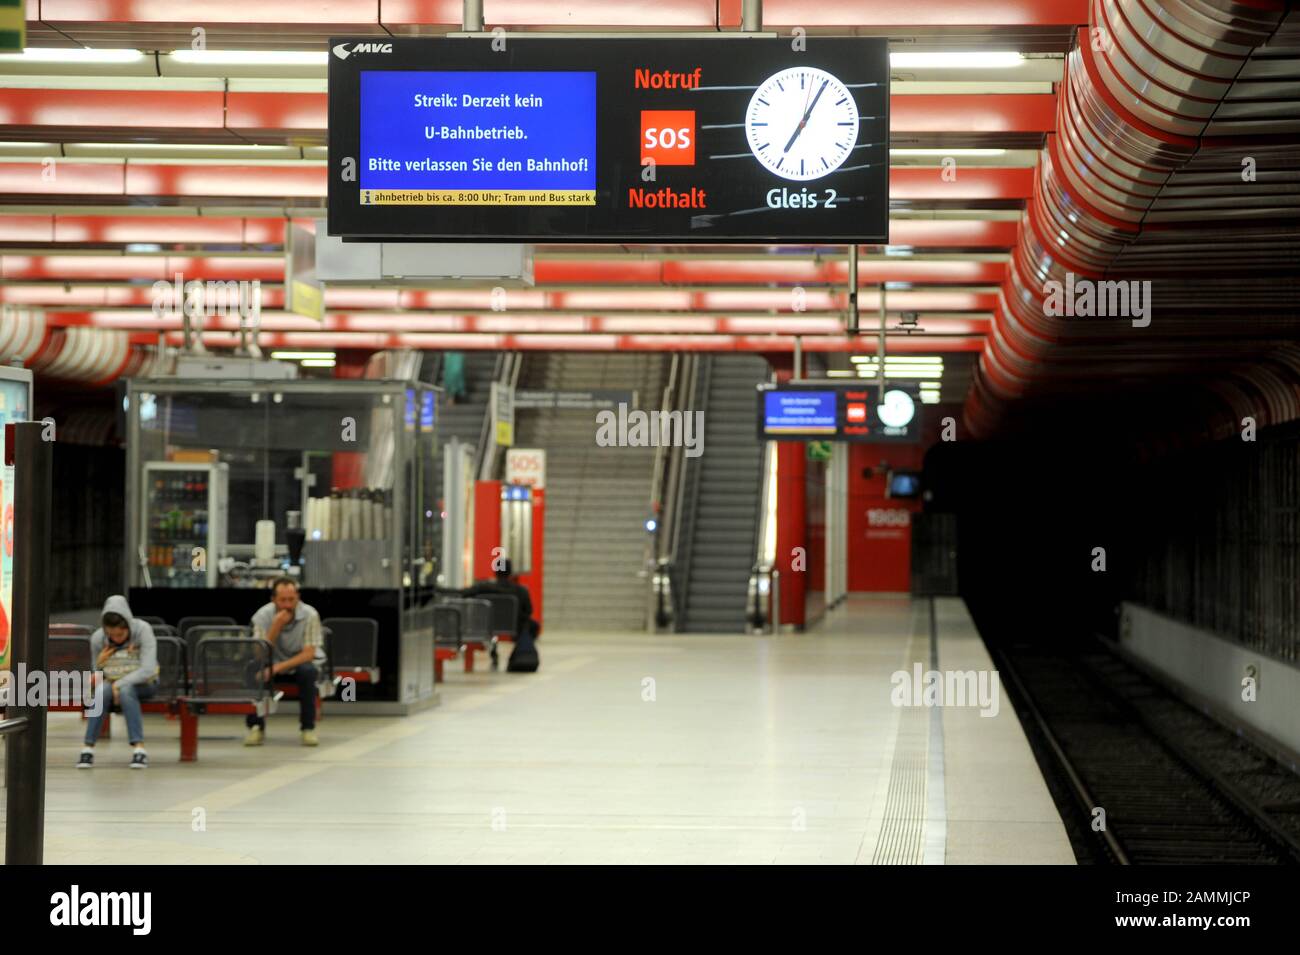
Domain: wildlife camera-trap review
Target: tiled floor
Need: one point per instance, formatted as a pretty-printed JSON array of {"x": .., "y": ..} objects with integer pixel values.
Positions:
[{"x": 622, "y": 748}]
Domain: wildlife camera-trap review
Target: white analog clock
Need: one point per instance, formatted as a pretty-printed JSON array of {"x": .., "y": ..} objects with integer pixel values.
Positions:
[
  {"x": 898, "y": 409},
  {"x": 802, "y": 123}
]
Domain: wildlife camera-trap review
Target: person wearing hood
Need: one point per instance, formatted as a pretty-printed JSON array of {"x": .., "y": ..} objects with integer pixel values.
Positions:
[{"x": 125, "y": 652}]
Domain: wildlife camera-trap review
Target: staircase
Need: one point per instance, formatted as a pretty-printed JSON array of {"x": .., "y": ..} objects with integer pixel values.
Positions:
[
  {"x": 720, "y": 516},
  {"x": 597, "y": 499},
  {"x": 463, "y": 420}
]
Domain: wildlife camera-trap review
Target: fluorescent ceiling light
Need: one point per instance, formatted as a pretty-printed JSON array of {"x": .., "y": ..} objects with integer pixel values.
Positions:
[
  {"x": 868, "y": 371},
  {"x": 196, "y": 148},
  {"x": 929, "y": 397},
  {"x": 252, "y": 57},
  {"x": 974, "y": 59},
  {"x": 303, "y": 355},
  {"x": 318, "y": 363},
  {"x": 947, "y": 152},
  {"x": 77, "y": 54}
]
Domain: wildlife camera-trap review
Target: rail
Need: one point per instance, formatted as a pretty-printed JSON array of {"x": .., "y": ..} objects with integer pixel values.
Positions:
[{"x": 667, "y": 494}]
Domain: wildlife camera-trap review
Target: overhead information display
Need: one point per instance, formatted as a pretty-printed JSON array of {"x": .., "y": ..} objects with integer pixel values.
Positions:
[
  {"x": 610, "y": 139},
  {"x": 832, "y": 411}
]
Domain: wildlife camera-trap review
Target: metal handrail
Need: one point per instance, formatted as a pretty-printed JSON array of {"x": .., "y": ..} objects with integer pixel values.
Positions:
[
  {"x": 653, "y": 564},
  {"x": 687, "y": 396},
  {"x": 697, "y": 393},
  {"x": 663, "y": 452},
  {"x": 764, "y": 515},
  {"x": 15, "y": 725},
  {"x": 764, "y": 617}
]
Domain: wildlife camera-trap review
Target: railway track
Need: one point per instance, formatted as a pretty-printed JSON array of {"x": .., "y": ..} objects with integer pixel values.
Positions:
[{"x": 1176, "y": 787}]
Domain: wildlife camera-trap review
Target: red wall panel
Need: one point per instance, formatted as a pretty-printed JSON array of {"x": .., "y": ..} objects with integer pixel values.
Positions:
[{"x": 880, "y": 551}]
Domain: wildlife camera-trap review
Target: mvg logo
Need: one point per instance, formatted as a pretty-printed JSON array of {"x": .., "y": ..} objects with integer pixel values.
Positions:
[
  {"x": 103, "y": 908},
  {"x": 342, "y": 51}
]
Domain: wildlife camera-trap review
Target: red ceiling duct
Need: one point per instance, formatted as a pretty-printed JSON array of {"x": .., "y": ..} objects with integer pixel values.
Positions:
[{"x": 1170, "y": 165}]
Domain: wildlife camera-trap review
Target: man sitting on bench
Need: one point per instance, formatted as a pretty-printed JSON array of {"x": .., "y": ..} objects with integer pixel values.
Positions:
[{"x": 294, "y": 631}]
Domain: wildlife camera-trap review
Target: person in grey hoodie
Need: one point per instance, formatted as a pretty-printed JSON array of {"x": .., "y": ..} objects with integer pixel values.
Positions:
[{"x": 125, "y": 653}]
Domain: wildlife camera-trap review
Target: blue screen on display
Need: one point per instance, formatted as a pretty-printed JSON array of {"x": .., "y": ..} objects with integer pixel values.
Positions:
[
  {"x": 13, "y": 402},
  {"x": 800, "y": 412},
  {"x": 478, "y": 130},
  {"x": 904, "y": 484}
]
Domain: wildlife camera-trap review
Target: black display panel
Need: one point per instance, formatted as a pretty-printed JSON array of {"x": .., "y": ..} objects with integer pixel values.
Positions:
[
  {"x": 751, "y": 140},
  {"x": 834, "y": 411}
]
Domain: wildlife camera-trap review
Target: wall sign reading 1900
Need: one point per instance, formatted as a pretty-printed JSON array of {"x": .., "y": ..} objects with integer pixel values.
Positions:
[{"x": 727, "y": 140}]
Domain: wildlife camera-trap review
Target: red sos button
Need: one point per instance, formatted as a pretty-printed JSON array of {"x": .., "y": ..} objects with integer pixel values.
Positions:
[
  {"x": 668, "y": 136},
  {"x": 855, "y": 413}
]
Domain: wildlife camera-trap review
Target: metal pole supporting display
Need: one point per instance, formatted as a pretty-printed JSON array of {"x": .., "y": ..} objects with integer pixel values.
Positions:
[
  {"x": 472, "y": 16},
  {"x": 25, "y": 761}
]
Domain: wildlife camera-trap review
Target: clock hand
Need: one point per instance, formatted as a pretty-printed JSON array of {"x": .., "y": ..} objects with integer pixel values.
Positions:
[{"x": 804, "y": 122}]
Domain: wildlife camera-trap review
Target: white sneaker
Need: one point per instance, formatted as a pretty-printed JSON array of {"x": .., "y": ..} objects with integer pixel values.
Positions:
[
  {"x": 87, "y": 758},
  {"x": 139, "y": 758},
  {"x": 254, "y": 737}
]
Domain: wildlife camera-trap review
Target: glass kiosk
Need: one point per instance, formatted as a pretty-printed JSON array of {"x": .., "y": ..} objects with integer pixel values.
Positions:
[{"x": 231, "y": 484}]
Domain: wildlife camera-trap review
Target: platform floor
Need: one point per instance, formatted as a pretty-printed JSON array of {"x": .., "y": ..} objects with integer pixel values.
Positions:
[{"x": 622, "y": 748}]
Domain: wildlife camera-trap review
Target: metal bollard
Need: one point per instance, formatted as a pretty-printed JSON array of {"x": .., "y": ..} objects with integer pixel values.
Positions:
[{"x": 776, "y": 601}]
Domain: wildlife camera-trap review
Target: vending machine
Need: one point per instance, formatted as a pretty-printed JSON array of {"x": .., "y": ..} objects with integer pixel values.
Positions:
[{"x": 184, "y": 517}]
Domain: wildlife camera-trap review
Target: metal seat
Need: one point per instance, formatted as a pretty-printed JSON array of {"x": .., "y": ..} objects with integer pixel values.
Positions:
[
  {"x": 186, "y": 623},
  {"x": 68, "y": 652},
  {"x": 233, "y": 669},
  {"x": 172, "y": 673},
  {"x": 448, "y": 629},
  {"x": 476, "y": 621},
  {"x": 505, "y": 614},
  {"x": 352, "y": 647},
  {"x": 192, "y": 637},
  {"x": 231, "y": 675},
  {"x": 154, "y": 622},
  {"x": 447, "y": 625},
  {"x": 475, "y": 628},
  {"x": 70, "y": 629},
  {"x": 164, "y": 630}
]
